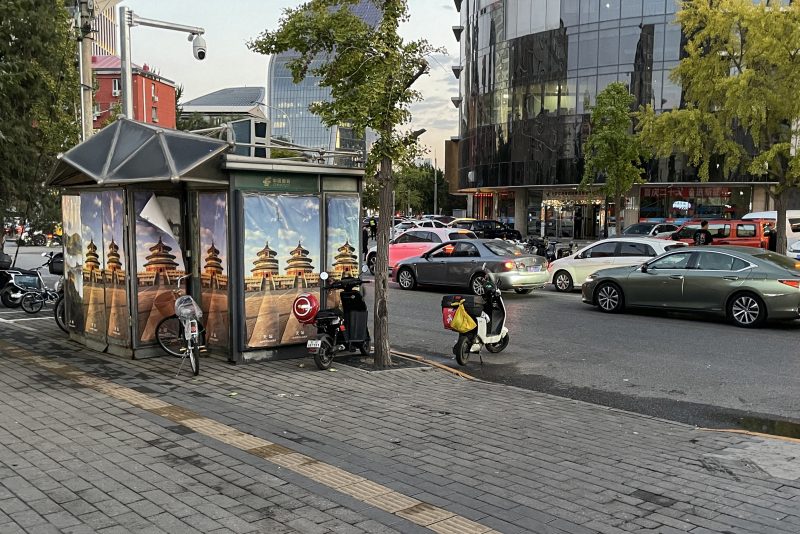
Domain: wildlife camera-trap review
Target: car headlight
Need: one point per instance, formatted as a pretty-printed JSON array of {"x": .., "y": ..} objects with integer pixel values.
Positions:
[{"x": 591, "y": 278}]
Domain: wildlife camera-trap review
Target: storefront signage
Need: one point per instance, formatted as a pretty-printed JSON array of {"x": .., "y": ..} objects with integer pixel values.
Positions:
[
  {"x": 280, "y": 183},
  {"x": 685, "y": 192}
]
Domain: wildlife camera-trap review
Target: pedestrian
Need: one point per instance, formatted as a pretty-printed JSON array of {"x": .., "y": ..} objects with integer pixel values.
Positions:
[
  {"x": 703, "y": 236},
  {"x": 373, "y": 227},
  {"x": 364, "y": 242},
  {"x": 772, "y": 236}
]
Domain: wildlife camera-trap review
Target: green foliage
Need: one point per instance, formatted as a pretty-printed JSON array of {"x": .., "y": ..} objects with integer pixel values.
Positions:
[
  {"x": 39, "y": 88},
  {"x": 612, "y": 151},
  {"x": 279, "y": 153},
  {"x": 740, "y": 78}
]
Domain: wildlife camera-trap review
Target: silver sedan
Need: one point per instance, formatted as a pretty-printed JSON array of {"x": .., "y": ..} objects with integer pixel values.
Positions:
[{"x": 466, "y": 262}]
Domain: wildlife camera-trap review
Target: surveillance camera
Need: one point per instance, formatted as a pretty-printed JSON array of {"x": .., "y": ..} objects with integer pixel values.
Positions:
[{"x": 199, "y": 47}]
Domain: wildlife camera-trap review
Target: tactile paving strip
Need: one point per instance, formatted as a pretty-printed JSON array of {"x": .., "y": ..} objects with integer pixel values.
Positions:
[{"x": 418, "y": 512}]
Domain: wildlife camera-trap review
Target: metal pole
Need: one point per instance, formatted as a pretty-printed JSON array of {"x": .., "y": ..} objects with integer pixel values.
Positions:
[
  {"x": 125, "y": 62},
  {"x": 435, "y": 188},
  {"x": 86, "y": 86},
  {"x": 83, "y": 110}
]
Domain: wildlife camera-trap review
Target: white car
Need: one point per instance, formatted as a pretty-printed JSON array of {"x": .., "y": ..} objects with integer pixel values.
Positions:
[
  {"x": 566, "y": 273},
  {"x": 416, "y": 241}
]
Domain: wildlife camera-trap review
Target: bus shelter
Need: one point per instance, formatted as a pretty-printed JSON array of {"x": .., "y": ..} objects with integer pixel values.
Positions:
[{"x": 144, "y": 206}]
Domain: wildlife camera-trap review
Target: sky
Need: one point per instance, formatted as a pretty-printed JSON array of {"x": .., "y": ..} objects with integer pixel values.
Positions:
[{"x": 230, "y": 24}]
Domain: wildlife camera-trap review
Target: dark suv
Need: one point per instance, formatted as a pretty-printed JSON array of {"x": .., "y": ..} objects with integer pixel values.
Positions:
[{"x": 489, "y": 229}]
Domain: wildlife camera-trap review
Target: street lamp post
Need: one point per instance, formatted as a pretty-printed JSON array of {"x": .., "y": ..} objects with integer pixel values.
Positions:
[
  {"x": 128, "y": 18},
  {"x": 269, "y": 118}
]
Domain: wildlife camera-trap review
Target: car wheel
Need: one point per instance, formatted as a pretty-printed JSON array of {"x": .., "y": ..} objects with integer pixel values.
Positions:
[
  {"x": 476, "y": 284},
  {"x": 522, "y": 290},
  {"x": 406, "y": 279},
  {"x": 563, "y": 282},
  {"x": 371, "y": 259},
  {"x": 608, "y": 297},
  {"x": 746, "y": 310}
]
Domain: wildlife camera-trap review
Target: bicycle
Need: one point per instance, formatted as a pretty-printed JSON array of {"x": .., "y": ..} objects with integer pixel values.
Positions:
[
  {"x": 181, "y": 334},
  {"x": 34, "y": 299}
]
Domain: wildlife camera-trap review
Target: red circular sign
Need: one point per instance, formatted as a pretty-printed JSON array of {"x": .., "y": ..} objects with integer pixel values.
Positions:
[{"x": 305, "y": 307}]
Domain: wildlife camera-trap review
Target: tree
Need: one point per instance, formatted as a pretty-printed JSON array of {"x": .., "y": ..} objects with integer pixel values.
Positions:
[
  {"x": 370, "y": 72},
  {"x": 39, "y": 88},
  {"x": 740, "y": 76},
  {"x": 612, "y": 150}
]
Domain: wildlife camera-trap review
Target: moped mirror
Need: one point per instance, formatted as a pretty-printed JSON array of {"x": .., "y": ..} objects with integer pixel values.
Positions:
[
  {"x": 44, "y": 254},
  {"x": 364, "y": 269},
  {"x": 323, "y": 275}
]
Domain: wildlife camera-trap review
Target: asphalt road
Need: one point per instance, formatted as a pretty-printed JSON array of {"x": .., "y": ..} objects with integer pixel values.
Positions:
[{"x": 696, "y": 370}]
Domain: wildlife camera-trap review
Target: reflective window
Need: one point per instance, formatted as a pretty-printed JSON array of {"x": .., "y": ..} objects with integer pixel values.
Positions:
[
  {"x": 679, "y": 260},
  {"x": 636, "y": 249},
  {"x": 628, "y": 42},
  {"x": 654, "y": 7},
  {"x": 712, "y": 261},
  {"x": 672, "y": 42},
  {"x": 587, "y": 50},
  {"x": 570, "y": 12},
  {"x": 746, "y": 230},
  {"x": 609, "y": 9},
  {"x": 608, "y": 47},
  {"x": 671, "y": 93},
  {"x": 603, "y": 250},
  {"x": 604, "y": 81},
  {"x": 658, "y": 42},
  {"x": 631, "y": 8},
  {"x": 590, "y": 11},
  {"x": 587, "y": 90}
]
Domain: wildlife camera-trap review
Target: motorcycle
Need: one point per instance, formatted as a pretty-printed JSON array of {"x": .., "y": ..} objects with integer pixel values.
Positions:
[
  {"x": 15, "y": 282},
  {"x": 490, "y": 318},
  {"x": 550, "y": 249},
  {"x": 338, "y": 330}
]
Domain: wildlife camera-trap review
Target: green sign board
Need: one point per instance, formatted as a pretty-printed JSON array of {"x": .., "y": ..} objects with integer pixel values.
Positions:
[{"x": 277, "y": 182}]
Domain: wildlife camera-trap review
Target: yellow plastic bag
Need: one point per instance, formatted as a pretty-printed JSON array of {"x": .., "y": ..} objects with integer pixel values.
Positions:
[{"x": 462, "y": 321}]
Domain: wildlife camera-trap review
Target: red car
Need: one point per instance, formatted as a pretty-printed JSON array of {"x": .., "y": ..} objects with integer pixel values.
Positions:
[
  {"x": 416, "y": 242},
  {"x": 738, "y": 232}
]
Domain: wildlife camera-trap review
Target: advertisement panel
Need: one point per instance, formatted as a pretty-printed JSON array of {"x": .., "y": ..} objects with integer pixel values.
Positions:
[
  {"x": 94, "y": 301},
  {"x": 159, "y": 259},
  {"x": 73, "y": 262},
  {"x": 212, "y": 217},
  {"x": 281, "y": 260},
  {"x": 117, "y": 313}
]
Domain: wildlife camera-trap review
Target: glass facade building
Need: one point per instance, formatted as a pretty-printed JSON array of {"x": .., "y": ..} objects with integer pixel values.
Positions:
[
  {"x": 530, "y": 72},
  {"x": 289, "y": 101}
]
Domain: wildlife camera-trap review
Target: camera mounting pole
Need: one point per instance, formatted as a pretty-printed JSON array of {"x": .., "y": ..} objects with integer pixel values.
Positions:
[{"x": 128, "y": 18}]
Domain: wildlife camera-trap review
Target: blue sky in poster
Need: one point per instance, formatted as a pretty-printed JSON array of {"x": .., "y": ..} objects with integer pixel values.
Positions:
[
  {"x": 342, "y": 224},
  {"x": 213, "y": 227},
  {"x": 113, "y": 215},
  {"x": 92, "y": 222},
  {"x": 147, "y": 235},
  {"x": 283, "y": 221}
]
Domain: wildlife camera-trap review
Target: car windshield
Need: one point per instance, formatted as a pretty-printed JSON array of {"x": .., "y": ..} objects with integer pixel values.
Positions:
[
  {"x": 503, "y": 249},
  {"x": 638, "y": 229},
  {"x": 779, "y": 260}
]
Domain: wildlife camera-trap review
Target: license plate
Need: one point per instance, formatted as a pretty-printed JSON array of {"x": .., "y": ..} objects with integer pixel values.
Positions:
[
  {"x": 534, "y": 268},
  {"x": 313, "y": 345},
  {"x": 191, "y": 330}
]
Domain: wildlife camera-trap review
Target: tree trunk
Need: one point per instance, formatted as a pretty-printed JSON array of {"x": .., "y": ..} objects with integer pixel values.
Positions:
[
  {"x": 618, "y": 219},
  {"x": 780, "y": 207},
  {"x": 381, "y": 328}
]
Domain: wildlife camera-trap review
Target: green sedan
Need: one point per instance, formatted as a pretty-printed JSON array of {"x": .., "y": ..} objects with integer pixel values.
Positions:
[{"x": 745, "y": 284}]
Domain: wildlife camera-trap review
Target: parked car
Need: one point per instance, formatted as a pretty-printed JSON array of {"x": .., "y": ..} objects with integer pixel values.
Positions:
[
  {"x": 489, "y": 229},
  {"x": 745, "y": 284},
  {"x": 416, "y": 241},
  {"x": 566, "y": 272},
  {"x": 459, "y": 220},
  {"x": 737, "y": 232},
  {"x": 461, "y": 263},
  {"x": 444, "y": 219},
  {"x": 792, "y": 223},
  {"x": 650, "y": 229}
]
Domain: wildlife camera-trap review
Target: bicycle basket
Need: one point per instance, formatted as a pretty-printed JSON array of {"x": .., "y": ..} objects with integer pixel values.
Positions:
[{"x": 187, "y": 308}]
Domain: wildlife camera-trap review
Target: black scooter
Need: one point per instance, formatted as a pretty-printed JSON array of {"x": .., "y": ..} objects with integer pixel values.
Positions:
[
  {"x": 15, "y": 282},
  {"x": 338, "y": 330}
]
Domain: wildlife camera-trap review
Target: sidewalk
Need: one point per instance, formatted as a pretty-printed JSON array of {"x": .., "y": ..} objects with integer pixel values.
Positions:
[{"x": 94, "y": 443}]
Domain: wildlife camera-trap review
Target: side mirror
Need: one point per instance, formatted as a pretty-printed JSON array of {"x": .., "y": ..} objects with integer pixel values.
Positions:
[
  {"x": 425, "y": 255},
  {"x": 644, "y": 267}
]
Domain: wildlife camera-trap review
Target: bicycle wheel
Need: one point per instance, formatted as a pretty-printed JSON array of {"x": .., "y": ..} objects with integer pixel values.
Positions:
[
  {"x": 60, "y": 313},
  {"x": 32, "y": 302},
  {"x": 194, "y": 360},
  {"x": 169, "y": 334}
]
